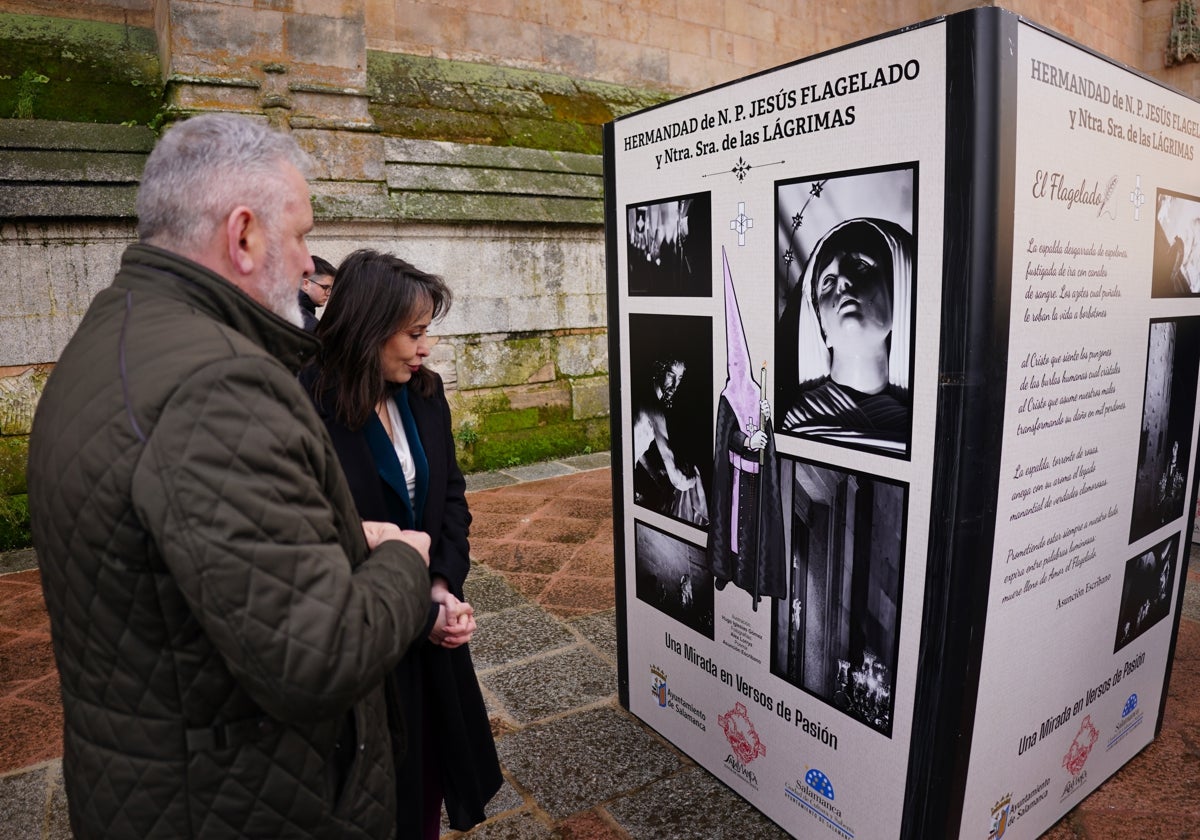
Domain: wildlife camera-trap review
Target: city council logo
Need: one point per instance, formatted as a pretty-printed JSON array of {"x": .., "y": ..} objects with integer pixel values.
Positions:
[
  {"x": 1000, "y": 813},
  {"x": 658, "y": 685},
  {"x": 1008, "y": 809}
]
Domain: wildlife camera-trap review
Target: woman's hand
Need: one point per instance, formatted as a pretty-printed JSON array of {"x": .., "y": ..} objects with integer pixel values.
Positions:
[{"x": 455, "y": 624}]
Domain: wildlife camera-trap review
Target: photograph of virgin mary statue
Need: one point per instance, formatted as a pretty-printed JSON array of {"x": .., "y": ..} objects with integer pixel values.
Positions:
[{"x": 844, "y": 335}]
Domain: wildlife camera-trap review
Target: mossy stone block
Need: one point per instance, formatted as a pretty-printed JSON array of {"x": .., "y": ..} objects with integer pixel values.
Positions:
[
  {"x": 514, "y": 361},
  {"x": 14, "y": 522},
  {"x": 553, "y": 134},
  {"x": 78, "y": 71},
  {"x": 510, "y": 449},
  {"x": 508, "y": 421},
  {"x": 498, "y": 106},
  {"x": 436, "y": 123},
  {"x": 14, "y": 458}
]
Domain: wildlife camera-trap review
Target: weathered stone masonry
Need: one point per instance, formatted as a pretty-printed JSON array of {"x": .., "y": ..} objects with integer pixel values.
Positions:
[{"x": 462, "y": 135}]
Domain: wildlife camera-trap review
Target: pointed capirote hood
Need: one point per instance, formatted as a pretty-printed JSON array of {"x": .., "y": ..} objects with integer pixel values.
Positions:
[{"x": 742, "y": 390}]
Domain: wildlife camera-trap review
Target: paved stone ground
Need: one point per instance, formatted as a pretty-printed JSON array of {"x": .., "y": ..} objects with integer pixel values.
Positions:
[{"x": 576, "y": 765}]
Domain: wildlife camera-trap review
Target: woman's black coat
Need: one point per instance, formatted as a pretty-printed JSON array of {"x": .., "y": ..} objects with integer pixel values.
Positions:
[{"x": 457, "y": 716}]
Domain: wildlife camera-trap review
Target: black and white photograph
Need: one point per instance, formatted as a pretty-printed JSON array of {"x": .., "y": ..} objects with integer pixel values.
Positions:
[
  {"x": 669, "y": 249},
  {"x": 1165, "y": 446},
  {"x": 836, "y": 635},
  {"x": 1147, "y": 591},
  {"x": 1176, "y": 270},
  {"x": 745, "y": 538},
  {"x": 671, "y": 371},
  {"x": 672, "y": 577},
  {"x": 845, "y": 270}
]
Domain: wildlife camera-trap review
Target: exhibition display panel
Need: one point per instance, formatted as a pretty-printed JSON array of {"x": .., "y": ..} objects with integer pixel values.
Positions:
[{"x": 905, "y": 344}]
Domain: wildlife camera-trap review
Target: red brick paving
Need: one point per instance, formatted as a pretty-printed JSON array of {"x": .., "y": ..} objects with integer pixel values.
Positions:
[
  {"x": 552, "y": 540},
  {"x": 588, "y": 825},
  {"x": 555, "y": 541},
  {"x": 30, "y": 705}
]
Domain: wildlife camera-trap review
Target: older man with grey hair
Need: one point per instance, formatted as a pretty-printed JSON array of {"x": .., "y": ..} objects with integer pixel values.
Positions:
[{"x": 223, "y": 621}]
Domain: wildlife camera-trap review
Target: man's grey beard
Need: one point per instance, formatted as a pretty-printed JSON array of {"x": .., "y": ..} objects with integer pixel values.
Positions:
[{"x": 282, "y": 292}]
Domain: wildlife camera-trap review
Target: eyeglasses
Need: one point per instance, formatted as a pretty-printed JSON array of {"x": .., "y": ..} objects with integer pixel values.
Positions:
[{"x": 324, "y": 286}]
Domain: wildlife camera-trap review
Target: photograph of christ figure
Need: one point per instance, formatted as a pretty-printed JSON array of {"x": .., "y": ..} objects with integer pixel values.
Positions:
[
  {"x": 669, "y": 247},
  {"x": 1148, "y": 590},
  {"x": 670, "y": 388},
  {"x": 1160, "y": 486},
  {"x": 837, "y": 634},
  {"x": 845, "y": 270},
  {"x": 1176, "y": 271},
  {"x": 671, "y": 576}
]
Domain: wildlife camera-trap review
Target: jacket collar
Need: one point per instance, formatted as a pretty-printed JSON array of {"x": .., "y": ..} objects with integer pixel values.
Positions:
[{"x": 146, "y": 268}]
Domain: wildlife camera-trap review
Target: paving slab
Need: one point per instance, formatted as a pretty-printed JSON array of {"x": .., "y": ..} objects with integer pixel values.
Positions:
[
  {"x": 577, "y": 766},
  {"x": 692, "y": 805},
  {"x": 514, "y": 634},
  {"x": 590, "y": 461},
  {"x": 519, "y": 826},
  {"x": 23, "y": 803},
  {"x": 601, "y": 630},
  {"x": 536, "y": 472},
  {"x": 17, "y": 561},
  {"x": 488, "y": 592},
  {"x": 593, "y": 756},
  {"x": 488, "y": 480},
  {"x": 551, "y": 684}
]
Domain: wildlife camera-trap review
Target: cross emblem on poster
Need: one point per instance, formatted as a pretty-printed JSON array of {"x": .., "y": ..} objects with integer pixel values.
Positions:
[
  {"x": 1137, "y": 198},
  {"x": 741, "y": 223}
]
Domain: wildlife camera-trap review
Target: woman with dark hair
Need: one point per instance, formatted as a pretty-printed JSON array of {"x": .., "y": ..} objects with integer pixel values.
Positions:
[{"x": 390, "y": 423}]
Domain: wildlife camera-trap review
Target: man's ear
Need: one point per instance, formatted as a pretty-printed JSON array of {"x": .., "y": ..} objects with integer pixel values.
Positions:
[{"x": 242, "y": 229}]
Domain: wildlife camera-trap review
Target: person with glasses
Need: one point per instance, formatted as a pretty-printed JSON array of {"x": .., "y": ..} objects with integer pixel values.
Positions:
[
  {"x": 389, "y": 420},
  {"x": 315, "y": 289}
]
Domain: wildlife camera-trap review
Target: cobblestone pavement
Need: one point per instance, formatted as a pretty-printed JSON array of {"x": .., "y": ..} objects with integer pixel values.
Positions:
[{"x": 576, "y": 765}]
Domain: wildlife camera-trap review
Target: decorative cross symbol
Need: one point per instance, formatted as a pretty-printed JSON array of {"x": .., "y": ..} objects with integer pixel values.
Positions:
[
  {"x": 741, "y": 223},
  {"x": 1137, "y": 198}
]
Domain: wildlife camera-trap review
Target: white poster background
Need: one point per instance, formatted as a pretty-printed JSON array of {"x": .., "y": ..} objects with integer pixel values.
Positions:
[
  {"x": 811, "y": 768},
  {"x": 1058, "y": 709}
]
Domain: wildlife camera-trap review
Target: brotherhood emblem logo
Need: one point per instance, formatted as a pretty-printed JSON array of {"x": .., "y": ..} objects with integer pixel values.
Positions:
[
  {"x": 1081, "y": 747},
  {"x": 740, "y": 733}
]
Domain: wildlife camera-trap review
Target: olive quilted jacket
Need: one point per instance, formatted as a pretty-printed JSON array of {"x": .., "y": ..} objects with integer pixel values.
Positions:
[{"x": 221, "y": 630}]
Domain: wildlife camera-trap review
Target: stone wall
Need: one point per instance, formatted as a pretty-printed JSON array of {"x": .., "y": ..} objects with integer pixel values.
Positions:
[
  {"x": 524, "y": 348},
  {"x": 677, "y": 47},
  {"x": 694, "y": 45},
  {"x": 461, "y": 134}
]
